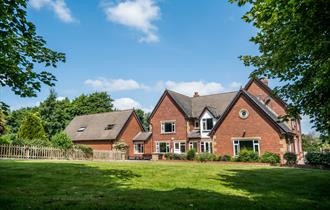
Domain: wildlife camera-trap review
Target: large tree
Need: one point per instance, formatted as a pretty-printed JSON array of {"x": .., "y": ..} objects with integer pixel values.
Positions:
[
  {"x": 20, "y": 49},
  {"x": 143, "y": 116},
  {"x": 54, "y": 113},
  {"x": 31, "y": 127},
  {"x": 90, "y": 104},
  {"x": 294, "y": 44}
]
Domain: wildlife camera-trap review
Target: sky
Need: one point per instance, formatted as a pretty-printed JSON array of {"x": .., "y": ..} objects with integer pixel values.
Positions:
[{"x": 135, "y": 49}]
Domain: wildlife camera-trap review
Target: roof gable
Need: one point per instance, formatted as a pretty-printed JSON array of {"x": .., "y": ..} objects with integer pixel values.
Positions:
[
  {"x": 267, "y": 89},
  {"x": 281, "y": 127}
]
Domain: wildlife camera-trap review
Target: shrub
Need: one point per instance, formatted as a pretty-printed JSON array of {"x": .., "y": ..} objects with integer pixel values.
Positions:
[
  {"x": 271, "y": 158},
  {"x": 62, "y": 141},
  {"x": 7, "y": 138},
  {"x": 225, "y": 158},
  {"x": 174, "y": 156},
  {"x": 318, "y": 158},
  {"x": 247, "y": 156},
  {"x": 290, "y": 158},
  {"x": 203, "y": 157},
  {"x": 191, "y": 154},
  {"x": 38, "y": 142},
  {"x": 88, "y": 151}
]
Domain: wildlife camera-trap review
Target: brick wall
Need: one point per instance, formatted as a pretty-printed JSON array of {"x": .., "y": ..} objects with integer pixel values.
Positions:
[
  {"x": 129, "y": 132},
  {"x": 256, "y": 126},
  {"x": 97, "y": 144},
  {"x": 167, "y": 110}
]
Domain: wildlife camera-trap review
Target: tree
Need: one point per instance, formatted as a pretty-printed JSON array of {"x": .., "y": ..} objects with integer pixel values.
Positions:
[
  {"x": 143, "y": 118},
  {"x": 15, "y": 118},
  {"x": 90, "y": 104},
  {"x": 20, "y": 49},
  {"x": 293, "y": 39},
  {"x": 62, "y": 140},
  {"x": 31, "y": 127},
  {"x": 54, "y": 113}
]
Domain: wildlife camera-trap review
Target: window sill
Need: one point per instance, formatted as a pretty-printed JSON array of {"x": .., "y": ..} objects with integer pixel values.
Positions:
[{"x": 168, "y": 133}]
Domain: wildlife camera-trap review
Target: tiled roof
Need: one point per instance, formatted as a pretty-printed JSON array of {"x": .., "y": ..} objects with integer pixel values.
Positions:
[
  {"x": 194, "y": 106},
  {"x": 102, "y": 126},
  {"x": 142, "y": 136}
]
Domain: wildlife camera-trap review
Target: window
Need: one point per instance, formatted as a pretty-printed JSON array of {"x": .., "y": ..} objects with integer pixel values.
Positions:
[
  {"x": 168, "y": 127},
  {"x": 138, "y": 148},
  {"x": 109, "y": 127},
  {"x": 162, "y": 147},
  {"x": 207, "y": 124},
  {"x": 179, "y": 147},
  {"x": 196, "y": 123},
  {"x": 81, "y": 129},
  {"x": 245, "y": 144},
  {"x": 243, "y": 113},
  {"x": 193, "y": 145},
  {"x": 206, "y": 146}
]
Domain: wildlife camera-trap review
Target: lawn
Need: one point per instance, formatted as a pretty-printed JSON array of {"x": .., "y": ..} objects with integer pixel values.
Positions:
[{"x": 159, "y": 185}]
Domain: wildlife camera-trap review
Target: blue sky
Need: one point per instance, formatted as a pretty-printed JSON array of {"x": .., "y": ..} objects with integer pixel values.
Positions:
[{"x": 135, "y": 49}]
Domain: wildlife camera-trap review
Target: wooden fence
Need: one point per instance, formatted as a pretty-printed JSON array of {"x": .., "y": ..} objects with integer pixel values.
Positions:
[{"x": 33, "y": 152}]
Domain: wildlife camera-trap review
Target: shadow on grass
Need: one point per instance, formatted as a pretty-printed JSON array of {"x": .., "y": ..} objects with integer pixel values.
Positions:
[
  {"x": 282, "y": 188},
  {"x": 44, "y": 185}
]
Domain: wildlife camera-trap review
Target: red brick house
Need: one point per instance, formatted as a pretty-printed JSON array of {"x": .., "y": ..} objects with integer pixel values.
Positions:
[
  {"x": 224, "y": 123},
  {"x": 101, "y": 131}
]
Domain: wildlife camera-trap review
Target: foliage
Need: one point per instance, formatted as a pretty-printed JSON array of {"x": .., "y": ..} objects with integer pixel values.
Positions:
[
  {"x": 16, "y": 117},
  {"x": 3, "y": 126},
  {"x": 191, "y": 154},
  {"x": 293, "y": 40},
  {"x": 21, "y": 48},
  {"x": 88, "y": 151},
  {"x": 318, "y": 158},
  {"x": 290, "y": 157},
  {"x": 54, "y": 113},
  {"x": 203, "y": 157},
  {"x": 62, "y": 140},
  {"x": 143, "y": 118},
  {"x": 225, "y": 158},
  {"x": 121, "y": 146},
  {"x": 7, "y": 138},
  {"x": 246, "y": 155},
  {"x": 175, "y": 156},
  {"x": 36, "y": 142},
  {"x": 97, "y": 102},
  {"x": 31, "y": 127},
  {"x": 312, "y": 143},
  {"x": 271, "y": 158}
]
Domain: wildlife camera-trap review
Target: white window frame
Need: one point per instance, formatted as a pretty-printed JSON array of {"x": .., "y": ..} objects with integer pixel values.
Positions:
[
  {"x": 191, "y": 145},
  {"x": 203, "y": 144},
  {"x": 136, "y": 150},
  {"x": 158, "y": 147},
  {"x": 204, "y": 124},
  {"x": 178, "y": 151},
  {"x": 256, "y": 142},
  {"x": 162, "y": 127}
]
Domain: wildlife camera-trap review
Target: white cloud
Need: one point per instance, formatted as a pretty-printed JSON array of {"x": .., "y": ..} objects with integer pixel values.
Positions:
[
  {"x": 235, "y": 86},
  {"x": 137, "y": 14},
  {"x": 129, "y": 103},
  {"x": 188, "y": 88},
  {"x": 112, "y": 85},
  {"x": 59, "y": 7},
  {"x": 60, "y": 98},
  {"x": 306, "y": 125}
]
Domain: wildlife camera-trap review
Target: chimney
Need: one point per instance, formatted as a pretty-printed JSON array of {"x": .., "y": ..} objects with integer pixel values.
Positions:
[
  {"x": 196, "y": 94},
  {"x": 264, "y": 80}
]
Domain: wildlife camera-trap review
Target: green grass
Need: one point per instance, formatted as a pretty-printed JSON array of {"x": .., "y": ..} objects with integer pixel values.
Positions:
[{"x": 159, "y": 185}]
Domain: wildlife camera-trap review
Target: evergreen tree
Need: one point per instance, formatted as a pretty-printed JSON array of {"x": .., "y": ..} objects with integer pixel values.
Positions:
[{"x": 31, "y": 127}]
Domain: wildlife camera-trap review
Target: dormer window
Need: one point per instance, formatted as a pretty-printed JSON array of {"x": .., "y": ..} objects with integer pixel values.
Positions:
[
  {"x": 109, "y": 127},
  {"x": 81, "y": 129},
  {"x": 196, "y": 123},
  {"x": 207, "y": 124}
]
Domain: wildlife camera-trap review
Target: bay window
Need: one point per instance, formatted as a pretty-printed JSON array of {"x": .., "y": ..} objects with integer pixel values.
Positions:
[
  {"x": 138, "y": 148},
  {"x": 162, "y": 147},
  {"x": 206, "y": 146},
  {"x": 179, "y": 147}
]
